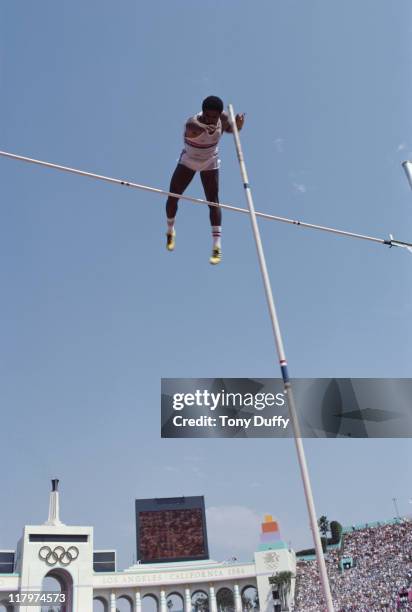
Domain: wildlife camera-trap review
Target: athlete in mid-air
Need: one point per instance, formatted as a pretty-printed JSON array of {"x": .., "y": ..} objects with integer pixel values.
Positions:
[{"x": 200, "y": 154}]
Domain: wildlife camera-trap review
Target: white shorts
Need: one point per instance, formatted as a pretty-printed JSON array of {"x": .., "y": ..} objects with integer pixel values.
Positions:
[{"x": 198, "y": 165}]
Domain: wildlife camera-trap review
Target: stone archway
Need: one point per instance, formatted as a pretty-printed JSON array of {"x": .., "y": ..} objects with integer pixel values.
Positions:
[
  {"x": 59, "y": 580},
  {"x": 225, "y": 600},
  {"x": 175, "y": 602},
  {"x": 200, "y": 601},
  {"x": 250, "y": 598},
  {"x": 100, "y": 604},
  {"x": 124, "y": 603},
  {"x": 150, "y": 603}
]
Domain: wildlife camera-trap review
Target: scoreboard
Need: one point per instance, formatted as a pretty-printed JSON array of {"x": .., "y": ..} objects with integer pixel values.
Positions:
[{"x": 171, "y": 529}]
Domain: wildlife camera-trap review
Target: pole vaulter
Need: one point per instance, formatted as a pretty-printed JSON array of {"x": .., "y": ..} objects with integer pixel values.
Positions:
[
  {"x": 270, "y": 301},
  {"x": 391, "y": 242}
]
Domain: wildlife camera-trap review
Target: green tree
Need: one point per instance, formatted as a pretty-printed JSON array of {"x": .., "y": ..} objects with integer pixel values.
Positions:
[
  {"x": 283, "y": 583},
  {"x": 323, "y": 525},
  {"x": 336, "y": 531}
]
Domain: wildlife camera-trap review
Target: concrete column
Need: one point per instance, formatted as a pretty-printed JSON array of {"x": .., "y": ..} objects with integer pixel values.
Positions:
[
  {"x": 188, "y": 601},
  {"x": 137, "y": 602},
  {"x": 112, "y": 602},
  {"x": 212, "y": 599},
  {"x": 163, "y": 603},
  {"x": 238, "y": 598}
]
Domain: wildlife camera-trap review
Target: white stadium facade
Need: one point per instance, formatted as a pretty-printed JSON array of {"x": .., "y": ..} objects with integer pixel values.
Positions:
[{"x": 63, "y": 556}]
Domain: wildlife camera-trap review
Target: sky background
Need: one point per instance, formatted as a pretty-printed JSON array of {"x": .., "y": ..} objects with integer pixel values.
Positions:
[{"x": 94, "y": 310}]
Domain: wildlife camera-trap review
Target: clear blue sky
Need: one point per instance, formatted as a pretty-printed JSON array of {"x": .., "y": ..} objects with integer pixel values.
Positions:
[{"x": 94, "y": 311}]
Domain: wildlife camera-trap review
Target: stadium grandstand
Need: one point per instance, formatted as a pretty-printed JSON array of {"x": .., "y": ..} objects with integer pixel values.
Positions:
[{"x": 369, "y": 570}]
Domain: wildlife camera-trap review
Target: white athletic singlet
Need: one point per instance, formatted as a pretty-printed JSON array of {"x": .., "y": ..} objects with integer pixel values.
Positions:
[{"x": 201, "y": 152}]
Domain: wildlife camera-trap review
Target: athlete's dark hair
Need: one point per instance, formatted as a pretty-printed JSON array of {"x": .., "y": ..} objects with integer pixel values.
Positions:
[{"x": 212, "y": 103}]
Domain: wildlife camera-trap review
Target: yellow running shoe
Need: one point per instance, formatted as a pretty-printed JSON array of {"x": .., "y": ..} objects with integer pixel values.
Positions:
[
  {"x": 216, "y": 256},
  {"x": 170, "y": 242}
]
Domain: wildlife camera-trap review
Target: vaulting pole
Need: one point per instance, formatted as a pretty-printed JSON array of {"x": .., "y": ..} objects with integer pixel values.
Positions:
[
  {"x": 284, "y": 369},
  {"x": 108, "y": 179}
]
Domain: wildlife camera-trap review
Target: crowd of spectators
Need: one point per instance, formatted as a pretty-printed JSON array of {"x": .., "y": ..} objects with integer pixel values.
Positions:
[{"x": 382, "y": 558}]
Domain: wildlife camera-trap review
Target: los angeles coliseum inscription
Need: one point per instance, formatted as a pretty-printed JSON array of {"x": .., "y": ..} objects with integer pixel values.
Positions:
[{"x": 172, "y": 577}]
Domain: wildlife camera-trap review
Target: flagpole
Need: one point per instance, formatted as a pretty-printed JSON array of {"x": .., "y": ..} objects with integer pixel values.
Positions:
[{"x": 284, "y": 369}]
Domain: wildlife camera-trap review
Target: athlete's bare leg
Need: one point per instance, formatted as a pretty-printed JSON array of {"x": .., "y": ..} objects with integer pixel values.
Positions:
[
  {"x": 181, "y": 178},
  {"x": 210, "y": 181}
]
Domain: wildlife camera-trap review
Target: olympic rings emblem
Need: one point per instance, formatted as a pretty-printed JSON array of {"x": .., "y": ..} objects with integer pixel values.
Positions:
[{"x": 58, "y": 555}]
